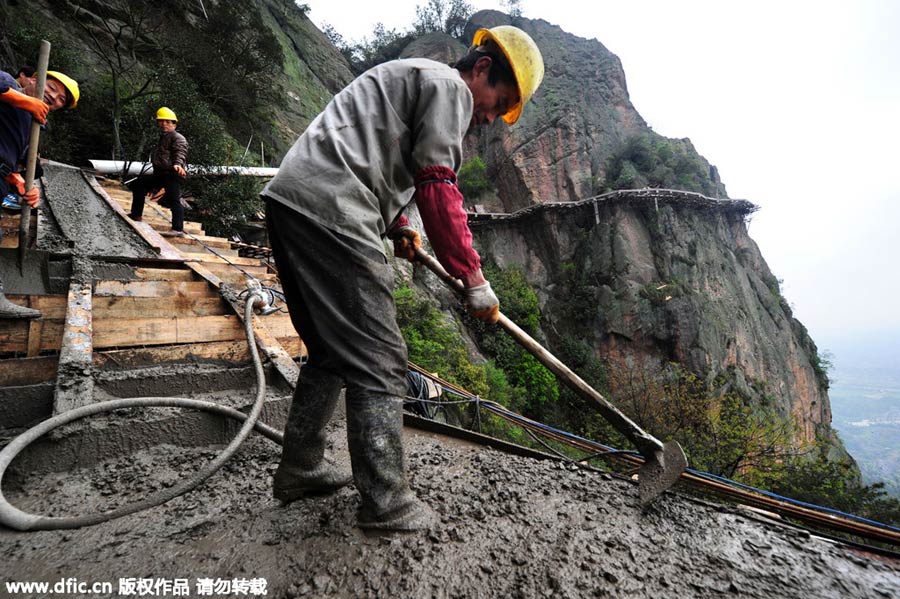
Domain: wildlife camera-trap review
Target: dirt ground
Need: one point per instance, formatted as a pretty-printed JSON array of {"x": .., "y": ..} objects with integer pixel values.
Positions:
[{"x": 510, "y": 527}]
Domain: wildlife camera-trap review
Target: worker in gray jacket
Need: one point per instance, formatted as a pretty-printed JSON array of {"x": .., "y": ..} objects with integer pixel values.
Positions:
[{"x": 392, "y": 136}]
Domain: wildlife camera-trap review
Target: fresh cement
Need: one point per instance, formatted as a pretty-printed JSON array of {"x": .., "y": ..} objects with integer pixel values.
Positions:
[
  {"x": 509, "y": 527},
  {"x": 85, "y": 220}
]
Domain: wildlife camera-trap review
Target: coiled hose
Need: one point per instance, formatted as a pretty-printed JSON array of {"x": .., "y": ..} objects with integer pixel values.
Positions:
[{"x": 17, "y": 519}]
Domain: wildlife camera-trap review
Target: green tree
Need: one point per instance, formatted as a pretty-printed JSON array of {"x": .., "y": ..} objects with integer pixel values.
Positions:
[
  {"x": 650, "y": 160},
  {"x": 436, "y": 345},
  {"x": 513, "y": 7},
  {"x": 118, "y": 35},
  {"x": 472, "y": 179},
  {"x": 720, "y": 431},
  {"x": 445, "y": 16},
  {"x": 240, "y": 57},
  {"x": 535, "y": 388},
  {"x": 385, "y": 44}
]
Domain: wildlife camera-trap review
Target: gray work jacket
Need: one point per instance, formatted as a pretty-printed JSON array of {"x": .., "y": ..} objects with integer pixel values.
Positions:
[{"x": 352, "y": 169}]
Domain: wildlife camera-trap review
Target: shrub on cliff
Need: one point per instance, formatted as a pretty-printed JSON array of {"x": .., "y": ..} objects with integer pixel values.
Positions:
[{"x": 650, "y": 160}]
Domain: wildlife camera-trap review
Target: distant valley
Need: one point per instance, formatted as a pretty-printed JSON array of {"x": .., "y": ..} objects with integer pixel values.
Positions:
[{"x": 865, "y": 402}]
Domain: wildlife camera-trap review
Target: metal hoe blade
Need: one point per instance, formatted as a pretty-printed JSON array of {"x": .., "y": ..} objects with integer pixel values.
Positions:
[{"x": 660, "y": 471}]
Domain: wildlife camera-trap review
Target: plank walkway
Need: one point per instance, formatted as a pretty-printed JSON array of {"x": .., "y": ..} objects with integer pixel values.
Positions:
[{"x": 169, "y": 311}]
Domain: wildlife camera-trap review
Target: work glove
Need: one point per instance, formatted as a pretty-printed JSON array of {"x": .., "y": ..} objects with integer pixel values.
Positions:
[
  {"x": 18, "y": 182},
  {"x": 180, "y": 170},
  {"x": 38, "y": 108},
  {"x": 406, "y": 242},
  {"x": 482, "y": 303},
  {"x": 32, "y": 196}
]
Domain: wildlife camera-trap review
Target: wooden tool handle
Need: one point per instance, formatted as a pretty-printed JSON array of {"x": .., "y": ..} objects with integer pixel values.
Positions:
[{"x": 646, "y": 443}]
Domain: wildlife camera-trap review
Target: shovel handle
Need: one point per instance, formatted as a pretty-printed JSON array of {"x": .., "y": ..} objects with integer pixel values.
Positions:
[
  {"x": 31, "y": 159},
  {"x": 647, "y": 444}
]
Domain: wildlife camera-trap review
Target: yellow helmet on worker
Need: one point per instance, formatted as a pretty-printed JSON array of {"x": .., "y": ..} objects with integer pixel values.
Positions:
[
  {"x": 166, "y": 114},
  {"x": 71, "y": 86},
  {"x": 524, "y": 57}
]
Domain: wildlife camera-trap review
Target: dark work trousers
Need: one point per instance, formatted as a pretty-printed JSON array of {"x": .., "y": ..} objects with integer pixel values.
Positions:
[
  {"x": 340, "y": 295},
  {"x": 172, "y": 200}
]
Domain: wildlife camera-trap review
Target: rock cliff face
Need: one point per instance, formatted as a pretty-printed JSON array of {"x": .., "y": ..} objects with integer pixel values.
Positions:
[{"x": 668, "y": 276}]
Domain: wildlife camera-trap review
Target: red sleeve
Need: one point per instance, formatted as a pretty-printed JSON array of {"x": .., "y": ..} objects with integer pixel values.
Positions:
[
  {"x": 401, "y": 223},
  {"x": 441, "y": 206}
]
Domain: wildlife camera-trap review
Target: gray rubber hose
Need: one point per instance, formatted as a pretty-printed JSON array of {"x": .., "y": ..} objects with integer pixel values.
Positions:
[{"x": 15, "y": 518}]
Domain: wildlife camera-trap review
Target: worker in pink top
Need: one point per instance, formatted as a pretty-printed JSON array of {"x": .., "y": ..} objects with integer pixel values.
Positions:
[{"x": 393, "y": 136}]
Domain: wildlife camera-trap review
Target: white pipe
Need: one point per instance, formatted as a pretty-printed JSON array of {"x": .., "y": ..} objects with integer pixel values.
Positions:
[{"x": 112, "y": 167}]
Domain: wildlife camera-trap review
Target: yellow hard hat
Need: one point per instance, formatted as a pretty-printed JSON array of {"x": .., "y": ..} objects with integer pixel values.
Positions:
[
  {"x": 71, "y": 86},
  {"x": 166, "y": 114},
  {"x": 524, "y": 57}
]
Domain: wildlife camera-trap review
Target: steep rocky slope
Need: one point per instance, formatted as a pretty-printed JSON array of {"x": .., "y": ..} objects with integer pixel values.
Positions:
[{"x": 671, "y": 277}]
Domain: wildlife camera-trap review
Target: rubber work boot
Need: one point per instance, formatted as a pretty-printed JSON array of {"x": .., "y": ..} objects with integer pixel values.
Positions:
[
  {"x": 304, "y": 469},
  {"x": 11, "y": 310},
  {"x": 375, "y": 436}
]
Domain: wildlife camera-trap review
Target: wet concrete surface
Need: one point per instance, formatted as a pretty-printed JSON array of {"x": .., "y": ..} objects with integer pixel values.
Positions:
[
  {"x": 510, "y": 527},
  {"x": 85, "y": 220}
]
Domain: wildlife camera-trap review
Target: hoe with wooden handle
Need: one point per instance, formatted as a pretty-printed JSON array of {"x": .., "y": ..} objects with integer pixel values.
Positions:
[
  {"x": 663, "y": 462},
  {"x": 31, "y": 159}
]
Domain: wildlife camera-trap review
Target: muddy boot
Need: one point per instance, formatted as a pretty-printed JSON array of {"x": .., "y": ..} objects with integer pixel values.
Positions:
[
  {"x": 11, "y": 310},
  {"x": 375, "y": 436},
  {"x": 304, "y": 469}
]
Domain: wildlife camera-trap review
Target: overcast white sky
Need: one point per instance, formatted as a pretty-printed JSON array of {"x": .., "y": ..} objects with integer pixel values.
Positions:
[{"x": 796, "y": 102}]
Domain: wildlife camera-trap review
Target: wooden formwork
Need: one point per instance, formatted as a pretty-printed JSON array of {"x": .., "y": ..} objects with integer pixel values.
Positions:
[{"x": 169, "y": 310}]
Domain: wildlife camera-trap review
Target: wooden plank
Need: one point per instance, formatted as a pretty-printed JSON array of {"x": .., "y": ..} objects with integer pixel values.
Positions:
[
  {"x": 15, "y": 372},
  {"x": 153, "y": 288},
  {"x": 212, "y": 258},
  {"x": 221, "y": 245},
  {"x": 125, "y": 332},
  {"x": 52, "y": 307},
  {"x": 232, "y": 352},
  {"x": 276, "y": 353},
  {"x": 74, "y": 382},
  {"x": 10, "y": 235},
  {"x": 294, "y": 346},
  {"x": 164, "y": 224},
  {"x": 150, "y": 233},
  {"x": 258, "y": 269},
  {"x": 267, "y": 343},
  {"x": 35, "y": 329},
  {"x": 164, "y": 274},
  {"x": 14, "y": 336},
  {"x": 112, "y": 307},
  {"x": 278, "y": 324}
]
